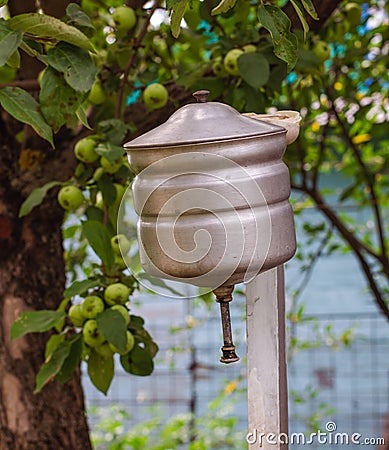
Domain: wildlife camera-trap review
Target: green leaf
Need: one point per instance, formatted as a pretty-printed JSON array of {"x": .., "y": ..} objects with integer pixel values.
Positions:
[
  {"x": 79, "y": 287},
  {"x": 82, "y": 117},
  {"x": 59, "y": 102},
  {"x": 53, "y": 365},
  {"x": 35, "y": 322},
  {"x": 77, "y": 17},
  {"x": 307, "y": 60},
  {"x": 100, "y": 371},
  {"x": 3, "y": 2},
  {"x": 99, "y": 240},
  {"x": 141, "y": 335},
  {"x": 53, "y": 343},
  {"x": 179, "y": 9},
  {"x": 44, "y": 26},
  {"x": 300, "y": 12},
  {"x": 137, "y": 322},
  {"x": 138, "y": 362},
  {"x": 254, "y": 69},
  {"x": 157, "y": 282},
  {"x": 75, "y": 63},
  {"x": 109, "y": 151},
  {"x": 223, "y": 7},
  {"x": 9, "y": 41},
  {"x": 14, "y": 60},
  {"x": 277, "y": 76},
  {"x": 22, "y": 106},
  {"x": 114, "y": 131},
  {"x": 113, "y": 326},
  {"x": 72, "y": 361},
  {"x": 310, "y": 8},
  {"x": 278, "y": 24},
  {"x": 36, "y": 198},
  {"x": 107, "y": 189}
]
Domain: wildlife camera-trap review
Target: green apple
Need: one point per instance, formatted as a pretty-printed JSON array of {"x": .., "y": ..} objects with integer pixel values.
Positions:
[
  {"x": 111, "y": 166},
  {"x": 218, "y": 68},
  {"x": 120, "y": 244},
  {"x": 116, "y": 294},
  {"x": 155, "y": 96},
  {"x": 104, "y": 350},
  {"x": 96, "y": 95},
  {"x": 98, "y": 173},
  {"x": 353, "y": 12},
  {"x": 7, "y": 74},
  {"x": 85, "y": 150},
  {"x": 124, "y": 18},
  {"x": 322, "y": 50},
  {"x": 231, "y": 61},
  {"x": 40, "y": 76},
  {"x": 123, "y": 311},
  {"x": 129, "y": 345},
  {"x": 92, "y": 335},
  {"x": 249, "y": 48},
  {"x": 119, "y": 262},
  {"x": 70, "y": 198},
  {"x": 76, "y": 316},
  {"x": 91, "y": 306}
]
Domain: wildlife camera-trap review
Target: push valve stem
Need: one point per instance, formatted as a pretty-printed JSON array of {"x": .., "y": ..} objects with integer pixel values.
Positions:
[{"x": 223, "y": 297}]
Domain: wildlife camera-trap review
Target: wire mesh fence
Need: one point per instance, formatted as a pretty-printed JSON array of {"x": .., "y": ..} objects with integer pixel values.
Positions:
[{"x": 338, "y": 370}]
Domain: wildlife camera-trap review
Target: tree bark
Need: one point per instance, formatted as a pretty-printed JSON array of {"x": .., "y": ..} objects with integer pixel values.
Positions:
[{"x": 32, "y": 275}]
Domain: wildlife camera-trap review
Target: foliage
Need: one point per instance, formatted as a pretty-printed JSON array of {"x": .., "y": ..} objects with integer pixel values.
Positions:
[{"x": 215, "y": 428}]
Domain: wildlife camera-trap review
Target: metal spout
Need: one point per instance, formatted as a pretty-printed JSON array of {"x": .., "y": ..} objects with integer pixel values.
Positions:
[{"x": 223, "y": 297}]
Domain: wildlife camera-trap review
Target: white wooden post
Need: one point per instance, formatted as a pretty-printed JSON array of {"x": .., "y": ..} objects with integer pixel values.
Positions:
[{"x": 266, "y": 361}]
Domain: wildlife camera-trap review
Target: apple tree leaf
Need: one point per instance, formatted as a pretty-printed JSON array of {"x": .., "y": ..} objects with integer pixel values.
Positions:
[
  {"x": 113, "y": 327},
  {"x": 44, "y": 26},
  {"x": 100, "y": 371},
  {"x": 35, "y": 321},
  {"x": 22, "y": 106},
  {"x": 9, "y": 41},
  {"x": 52, "y": 343},
  {"x": 310, "y": 8},
  {"x": 36, "y": 198},
  {"x": 178, "y": 12},
  {"x": 109, "y": 151},
  {"x": 79, "y": 287},
  {"x": 78, "y": 18},
  {"x": 223, "y": 7},
  {"x": 72, "y": 361},
  {"x": 278, "y": 24},
  {"x": 76, "y": 65},
  {"x": 59, "y": 102},
  {"x": 300, "y": 12},
  {"x": 254, "y": 69},
  {"x": 55, "y": 362},
  {"x": 100, "y": 241},
  {"x": 138, "y": 362}
]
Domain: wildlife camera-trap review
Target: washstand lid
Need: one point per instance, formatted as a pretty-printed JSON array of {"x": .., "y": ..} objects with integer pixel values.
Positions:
[{"x": 203, "y": 122}]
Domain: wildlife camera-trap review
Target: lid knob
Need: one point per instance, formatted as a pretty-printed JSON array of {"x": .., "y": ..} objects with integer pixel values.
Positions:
[{"x": 201, "y": 96}]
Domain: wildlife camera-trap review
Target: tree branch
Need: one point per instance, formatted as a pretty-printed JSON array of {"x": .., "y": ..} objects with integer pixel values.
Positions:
[
  {"x": 357, "y": 246},
  {"x": 28, "y": 85},
  {"x": 137, "y": 44},
  {"x": 368, "y": 180}
]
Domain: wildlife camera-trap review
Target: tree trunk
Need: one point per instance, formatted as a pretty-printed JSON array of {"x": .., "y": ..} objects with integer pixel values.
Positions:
[{"x": 32, "y": 277}]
